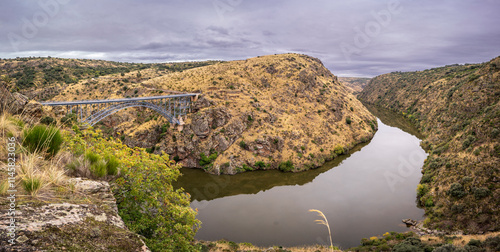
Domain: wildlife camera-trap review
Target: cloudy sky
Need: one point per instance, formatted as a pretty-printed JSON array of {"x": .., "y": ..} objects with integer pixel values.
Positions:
[{"x": 352, "y": 38}]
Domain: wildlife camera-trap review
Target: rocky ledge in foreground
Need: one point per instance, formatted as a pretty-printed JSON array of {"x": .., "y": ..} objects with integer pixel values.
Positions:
[{"x": 90, "y": 223}]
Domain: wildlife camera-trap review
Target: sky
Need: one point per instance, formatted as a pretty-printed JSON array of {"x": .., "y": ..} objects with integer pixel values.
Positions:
[{"x": 358, "y": 38}]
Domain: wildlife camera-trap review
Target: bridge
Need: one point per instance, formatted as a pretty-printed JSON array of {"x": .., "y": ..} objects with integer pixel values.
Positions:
[{"x": 90, "y": 112}]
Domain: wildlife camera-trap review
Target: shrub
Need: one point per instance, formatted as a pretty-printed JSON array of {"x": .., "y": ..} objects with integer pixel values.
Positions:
[
  {"x": 204, "y": 160},
  {"x": 429, "y": 202},
  {"x": 339, "y": 150},
  {"x": 243, "y": 145},
  {"x": 447, "y": 248},
  {"x": 495, "y": 133},
  {"x": 48, "y": 120},
  {"x": 43, "y": 138},
  {"x": 32, "y": 184},
  {"x": 92, "y": 157},
  {"x": 467, "y": 142},
  {"x": 458, "y": 208},
  {"x": 426, "y": 178},
  {"x": 68, "y": 119},
  {"x": 98, "y": 168},
  {"x": 422, "y": 190},
  {"x": 457, "y": 191},
  {"x": 481, "y": 192},
  {"x": 348, "y": 120},
  {"x": 260, "y": 165},
  {"x": 492, "y": 243},
  {"x": 286, "y": 166},
  {"x": 112, "y": 164}
]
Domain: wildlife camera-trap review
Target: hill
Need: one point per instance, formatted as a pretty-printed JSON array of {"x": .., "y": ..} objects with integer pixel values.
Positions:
[
  {"x": 355, "y": 84},
  {"x": 457, "y": 109},
  {"x": 43, "y": 78},
  {"x": 280, "y": 111}
]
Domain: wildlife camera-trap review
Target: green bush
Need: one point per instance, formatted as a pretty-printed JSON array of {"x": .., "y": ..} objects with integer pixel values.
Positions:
[
  {"x": 48, "y": 120},
  {"x": 92, "y": 157},
  {"x": 457, "y": 191},
  {"x": 68, "y": 119},
  {"x": 429, "y": 202},
  {"x": 204, "y": 160},
  {"x": 348, "y": 120},
  {"x": 286, "y": 166},
  {"x": 426, "y": 178},
  {"x": 243, "y": 145},
  {"x": 112, "y": 164},
  {"x": 31, "y": 184},
  {"x": 422, "y": 190},
  {"x": 260, "y": 165},
  {"x": 43, "y": 138},
  {"x": 480, "y": 193},
  {"x": 339, "y": 150},
  {"x": 467, "y": 142},
  {"x": 98, "y": 168}
]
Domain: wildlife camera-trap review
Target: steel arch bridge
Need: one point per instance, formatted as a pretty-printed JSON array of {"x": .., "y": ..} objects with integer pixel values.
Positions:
[{"x": 90, "y": 112}]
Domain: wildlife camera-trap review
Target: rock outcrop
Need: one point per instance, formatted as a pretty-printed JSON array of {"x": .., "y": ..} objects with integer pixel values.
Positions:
[{"x": 93, "y": 225}]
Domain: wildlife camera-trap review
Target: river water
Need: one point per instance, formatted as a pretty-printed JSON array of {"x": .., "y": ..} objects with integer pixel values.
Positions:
[{"x": 364, "y": 194}]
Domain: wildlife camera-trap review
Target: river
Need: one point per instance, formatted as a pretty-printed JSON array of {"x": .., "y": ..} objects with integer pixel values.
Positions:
[{"x": 363, "y": 194}]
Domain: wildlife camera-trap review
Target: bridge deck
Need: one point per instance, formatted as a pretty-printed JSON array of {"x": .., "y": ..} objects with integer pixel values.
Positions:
[{"x": 116, "y": 100}]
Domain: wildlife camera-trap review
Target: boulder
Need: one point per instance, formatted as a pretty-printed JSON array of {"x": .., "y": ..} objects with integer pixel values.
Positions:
[{"x": 33, "y": 109}]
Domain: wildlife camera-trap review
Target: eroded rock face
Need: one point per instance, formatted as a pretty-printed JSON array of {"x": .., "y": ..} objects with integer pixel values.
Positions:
[{"x": 33, "y": 109}]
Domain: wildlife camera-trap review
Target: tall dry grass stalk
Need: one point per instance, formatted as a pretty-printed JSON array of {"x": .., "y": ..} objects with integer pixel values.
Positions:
[
  {"x": 324, "y": 221},
  {"x": 7, "y": 125}
]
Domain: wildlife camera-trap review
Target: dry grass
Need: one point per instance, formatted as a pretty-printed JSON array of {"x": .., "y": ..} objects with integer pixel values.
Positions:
[
  {"x": 323, "y": 221},
  {"x": 33, "y": 168},
  {"x": 461, "y": 240},
  {"x": 223, "y": 246}
]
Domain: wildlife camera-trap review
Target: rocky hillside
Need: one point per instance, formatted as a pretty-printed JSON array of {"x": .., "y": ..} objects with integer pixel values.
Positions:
[
  {"x": 457, "y": 109},
  {"x": 355, "y": 84},
  {"x": 283, "y": 112}
]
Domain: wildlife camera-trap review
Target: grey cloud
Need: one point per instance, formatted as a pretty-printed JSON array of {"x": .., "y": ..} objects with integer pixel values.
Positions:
[{"x": 423, "y": 34}]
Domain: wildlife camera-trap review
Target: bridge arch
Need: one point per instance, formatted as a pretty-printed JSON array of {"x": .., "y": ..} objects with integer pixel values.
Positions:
[{"x": 97, "y": 117}]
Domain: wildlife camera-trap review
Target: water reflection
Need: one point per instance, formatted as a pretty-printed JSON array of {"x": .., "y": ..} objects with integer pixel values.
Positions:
[
  {"x": 393, "y": 119},
  {"x": 204, "y": 186}
]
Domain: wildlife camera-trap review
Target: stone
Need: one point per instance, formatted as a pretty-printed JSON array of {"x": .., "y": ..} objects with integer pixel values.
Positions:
[
  {"x": 33, "y": 109},
  {"x": 409, "y": 222},
  {"x": 22, "y": 239}
]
